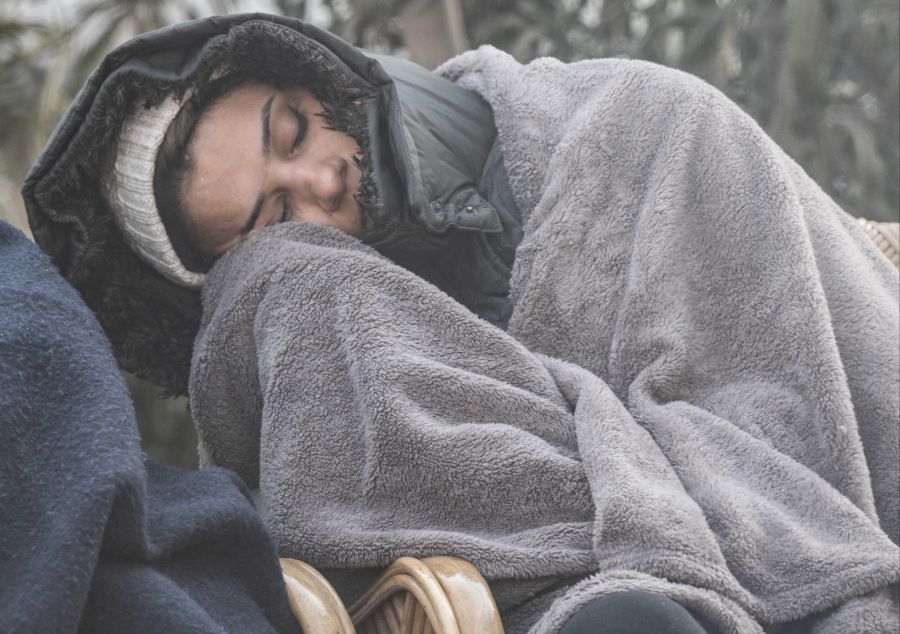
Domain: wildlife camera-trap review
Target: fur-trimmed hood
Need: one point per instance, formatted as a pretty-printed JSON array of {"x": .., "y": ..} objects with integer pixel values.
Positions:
[{"x": 419, "y": 179}]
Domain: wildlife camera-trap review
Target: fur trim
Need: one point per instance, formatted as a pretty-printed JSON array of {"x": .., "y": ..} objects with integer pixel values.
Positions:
[{"x": 150, "y": 321}]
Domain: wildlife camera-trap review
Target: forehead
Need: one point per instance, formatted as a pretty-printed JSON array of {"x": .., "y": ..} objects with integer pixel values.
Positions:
[
  {"x": 238, "y": 101},
  {"x": 226, "y": 152}
]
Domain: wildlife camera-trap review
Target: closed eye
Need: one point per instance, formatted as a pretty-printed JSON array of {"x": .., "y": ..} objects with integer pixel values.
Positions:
[{"x": 302, "y": 127}]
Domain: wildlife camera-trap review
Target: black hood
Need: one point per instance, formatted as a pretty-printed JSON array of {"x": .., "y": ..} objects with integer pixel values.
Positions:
[{"x": 425, "y": 140}]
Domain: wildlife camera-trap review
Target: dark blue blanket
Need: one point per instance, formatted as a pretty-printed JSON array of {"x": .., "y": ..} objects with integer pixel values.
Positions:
[{"x": 92, "y": 537}]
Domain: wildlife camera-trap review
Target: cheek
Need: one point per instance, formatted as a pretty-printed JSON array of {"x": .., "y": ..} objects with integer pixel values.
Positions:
[
  {"x": 210, "y": 205},
  {"x": 336, "y": 142},
  {"x": 351, "y": 144}
]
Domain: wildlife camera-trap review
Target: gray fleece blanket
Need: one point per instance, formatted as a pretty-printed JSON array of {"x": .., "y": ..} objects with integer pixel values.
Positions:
[{"x": 697, "y": 395}]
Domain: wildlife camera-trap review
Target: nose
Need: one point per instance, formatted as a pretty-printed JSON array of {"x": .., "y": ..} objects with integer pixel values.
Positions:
[{"x": 320, "y": 182}]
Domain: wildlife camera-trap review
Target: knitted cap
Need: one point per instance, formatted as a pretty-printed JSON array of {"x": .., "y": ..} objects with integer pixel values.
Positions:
[{"x": 130, "y": 191}]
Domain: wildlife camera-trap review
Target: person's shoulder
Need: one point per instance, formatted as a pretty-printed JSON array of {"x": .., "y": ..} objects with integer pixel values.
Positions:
[
  {"x": 667, "y": 89},
  {"x": 654, "y": 77}
]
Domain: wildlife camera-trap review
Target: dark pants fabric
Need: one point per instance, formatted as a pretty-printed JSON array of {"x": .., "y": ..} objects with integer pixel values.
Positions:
[{"x": 633, "y": 613}]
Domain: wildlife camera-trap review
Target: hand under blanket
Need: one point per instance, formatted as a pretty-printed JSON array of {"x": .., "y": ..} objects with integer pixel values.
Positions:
[{"x": 380, "y": 418}]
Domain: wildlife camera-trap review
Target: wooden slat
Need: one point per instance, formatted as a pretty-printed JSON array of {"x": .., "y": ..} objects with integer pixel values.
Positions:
[
  {"x": 391, "y": 616},
  {"x": 409, "y": 610},
  {"x": 381, "y": 624},
  {"x": 315, "y": 604},
  {"x": 419, "y": 619}
]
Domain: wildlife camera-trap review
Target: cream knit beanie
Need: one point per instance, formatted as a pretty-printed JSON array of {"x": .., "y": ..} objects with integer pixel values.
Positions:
[{"x": 130, "y": 191}]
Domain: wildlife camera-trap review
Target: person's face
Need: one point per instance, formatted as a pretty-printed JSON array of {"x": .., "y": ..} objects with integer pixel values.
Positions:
[{"x": 262, "y": 156}]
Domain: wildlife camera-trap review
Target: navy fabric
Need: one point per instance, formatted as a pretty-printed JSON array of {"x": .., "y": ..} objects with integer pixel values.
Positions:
[
  {"x": 92, "y": 537},
  {"x": 632, "y": 613}
]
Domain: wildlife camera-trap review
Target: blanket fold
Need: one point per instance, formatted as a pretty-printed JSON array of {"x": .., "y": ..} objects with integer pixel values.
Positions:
[{"x": 697, "y": 395}]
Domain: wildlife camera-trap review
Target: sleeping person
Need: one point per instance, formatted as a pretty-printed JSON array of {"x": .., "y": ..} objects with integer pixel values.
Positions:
[{"x": 585, "y": 326}]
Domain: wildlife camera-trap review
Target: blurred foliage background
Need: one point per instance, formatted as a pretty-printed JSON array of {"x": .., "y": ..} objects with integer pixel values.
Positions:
[{"x": 821, "y": 76}]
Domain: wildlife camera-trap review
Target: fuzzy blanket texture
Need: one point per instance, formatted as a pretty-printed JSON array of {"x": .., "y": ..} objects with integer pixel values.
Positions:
[
  {"x": 697, "y": 394},
  {"x": 93, "y": 537}
]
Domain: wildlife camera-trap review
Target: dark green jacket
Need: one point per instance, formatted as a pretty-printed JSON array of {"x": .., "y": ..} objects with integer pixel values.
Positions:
[{"x": 433, "y": 151}]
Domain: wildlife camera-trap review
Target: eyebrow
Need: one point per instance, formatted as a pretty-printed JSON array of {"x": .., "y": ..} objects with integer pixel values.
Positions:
[
  {"x": 266, "y": 115},
  {"x": 266, "y": 134}
]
